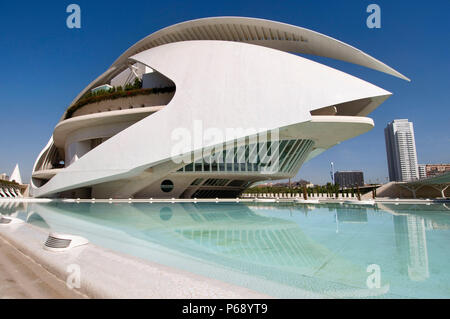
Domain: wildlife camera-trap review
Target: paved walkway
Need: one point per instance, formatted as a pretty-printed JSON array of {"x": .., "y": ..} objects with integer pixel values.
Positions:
[{"x": 21, "y": 277}]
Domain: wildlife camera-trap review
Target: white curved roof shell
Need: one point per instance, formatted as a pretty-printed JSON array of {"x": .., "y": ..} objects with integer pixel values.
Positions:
[{"x": 276, "y": 35}]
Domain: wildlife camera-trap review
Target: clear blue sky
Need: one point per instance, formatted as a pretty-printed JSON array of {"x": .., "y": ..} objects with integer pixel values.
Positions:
[{"x": 44, "y": 65}]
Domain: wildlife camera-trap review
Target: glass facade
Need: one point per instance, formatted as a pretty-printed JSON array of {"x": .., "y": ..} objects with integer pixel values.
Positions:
[{"x": 267, "y": 157}]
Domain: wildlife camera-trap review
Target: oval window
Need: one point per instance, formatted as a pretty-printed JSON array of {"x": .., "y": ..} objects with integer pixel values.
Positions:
[
  {"x": 165, "y": 213},
  {"x": 167, "y": 186}
]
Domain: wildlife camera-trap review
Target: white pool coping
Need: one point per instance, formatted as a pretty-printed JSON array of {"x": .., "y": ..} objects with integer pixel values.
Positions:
[
  {"x": 107, "y": 274},
  {"x": 295, "y": 200}
]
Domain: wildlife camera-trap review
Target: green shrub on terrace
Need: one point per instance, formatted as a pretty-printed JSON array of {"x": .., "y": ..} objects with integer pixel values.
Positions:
[
  {"x": 137, "y": 84},
  {"x": 317, "y": 189},
  {"x": 116, "y": 93}
]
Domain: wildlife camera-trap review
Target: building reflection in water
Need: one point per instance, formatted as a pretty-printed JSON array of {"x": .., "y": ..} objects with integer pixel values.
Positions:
[
  {"x": 411, "y": 242},
  {"x": 411, "y": 225},
  {"x": 254, "y": 238}
]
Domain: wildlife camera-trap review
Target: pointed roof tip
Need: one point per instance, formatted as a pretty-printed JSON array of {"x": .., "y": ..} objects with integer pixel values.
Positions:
[
  {"x": 403, "y": 77},
  {"x": 15, "y": 175}
]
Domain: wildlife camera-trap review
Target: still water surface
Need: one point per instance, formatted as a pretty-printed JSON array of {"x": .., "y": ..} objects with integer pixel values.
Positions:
[{"x": 283, "y": 250}]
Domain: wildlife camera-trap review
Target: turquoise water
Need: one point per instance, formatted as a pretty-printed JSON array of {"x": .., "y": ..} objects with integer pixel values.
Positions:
[{"x": 283, "y": 250}]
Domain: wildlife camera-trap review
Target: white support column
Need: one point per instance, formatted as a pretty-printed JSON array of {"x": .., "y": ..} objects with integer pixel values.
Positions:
[{"x": 441, "y": 188}]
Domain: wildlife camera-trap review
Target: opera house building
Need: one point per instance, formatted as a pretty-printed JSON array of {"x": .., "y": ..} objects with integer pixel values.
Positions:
[{"x": 206, "y": 108}]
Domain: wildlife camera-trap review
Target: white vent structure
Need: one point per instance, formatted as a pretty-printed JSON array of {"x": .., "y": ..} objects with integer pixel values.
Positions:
[
  {"x": 10, "y": 221},
  {"x": 62, "y": 242}
]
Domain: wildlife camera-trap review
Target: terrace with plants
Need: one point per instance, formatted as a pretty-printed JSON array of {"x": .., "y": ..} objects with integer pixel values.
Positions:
[{"x": 114, "y": 93}]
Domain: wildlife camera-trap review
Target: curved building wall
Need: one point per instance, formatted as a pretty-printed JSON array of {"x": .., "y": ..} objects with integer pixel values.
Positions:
[
  {"x": 83, "y": 140},
  {"x": 220, "y": 85}
]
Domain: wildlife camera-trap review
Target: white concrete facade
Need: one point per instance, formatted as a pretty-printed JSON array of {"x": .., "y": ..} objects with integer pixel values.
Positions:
[
  {"x": 226, "y": 79},
  {"x": 422, "y": 171}
]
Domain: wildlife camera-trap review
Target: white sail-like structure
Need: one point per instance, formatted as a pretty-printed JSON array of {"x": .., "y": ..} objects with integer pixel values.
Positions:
[
  {"x": 15, "y": 175},
  {"x": 205, "y": 78}
]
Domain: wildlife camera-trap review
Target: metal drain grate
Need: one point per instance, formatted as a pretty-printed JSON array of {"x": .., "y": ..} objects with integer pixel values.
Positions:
[
  {"x": 53, "y": 242},
  {"x": 5, "y": 220}
]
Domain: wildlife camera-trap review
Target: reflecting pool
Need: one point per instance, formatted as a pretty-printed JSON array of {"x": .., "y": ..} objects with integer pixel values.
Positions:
[{"x": 283, "y": 250}]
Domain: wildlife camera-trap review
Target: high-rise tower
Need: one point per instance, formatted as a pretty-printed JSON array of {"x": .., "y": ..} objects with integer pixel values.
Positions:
[{"x": 401, "y": 151}]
